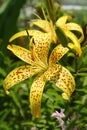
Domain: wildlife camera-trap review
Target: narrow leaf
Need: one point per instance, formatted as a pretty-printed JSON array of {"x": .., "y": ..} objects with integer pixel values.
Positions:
[{"x": 62, "y": 36}]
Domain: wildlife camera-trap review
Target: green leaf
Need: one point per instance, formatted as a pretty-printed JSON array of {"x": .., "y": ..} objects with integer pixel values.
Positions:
[
  {"x": 2, "y": 72},
  {"x": 8, "y": 23},
  {"x": 4, "y": 6},
  {"x": 62, "y": 37},
  {"x": 50, "y": 8},
  {"x": 18, "y": 104},
  {"x": 4, "y": 126}
]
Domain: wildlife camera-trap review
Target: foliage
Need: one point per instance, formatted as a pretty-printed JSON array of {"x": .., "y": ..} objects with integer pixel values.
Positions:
[{"x": 14, "y": 110}]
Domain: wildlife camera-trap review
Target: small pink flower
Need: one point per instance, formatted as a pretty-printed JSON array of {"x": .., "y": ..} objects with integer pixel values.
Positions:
[{"x": 59, "y": 116}]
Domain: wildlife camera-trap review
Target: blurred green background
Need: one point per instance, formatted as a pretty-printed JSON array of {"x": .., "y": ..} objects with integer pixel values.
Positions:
[{"x": 14, "y": 109}]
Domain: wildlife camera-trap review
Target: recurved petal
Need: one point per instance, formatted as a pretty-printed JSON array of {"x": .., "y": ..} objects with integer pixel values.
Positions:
[
  {"x": 36, "y": 95},
  {"x": 62, "y": 78},
  {"x": 75, "y": 42},
  {"x": 42, "y": 45},
  {"x": 25, "y": 33},
  {"x": 43, "y": 24},
  {"x": 17, "y": 75},
  {"x": 21, "y": 53},
  {"x": 75, "y": 27},
  {"x": 62, "y": 20},
  {"x": 58, "y": 52},
  {"x": 66, "y": 82},
  {"x": 47, "y": 27}
]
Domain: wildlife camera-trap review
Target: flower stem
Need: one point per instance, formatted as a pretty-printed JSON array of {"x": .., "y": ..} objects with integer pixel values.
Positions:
[{"x": 50, "y": 9}]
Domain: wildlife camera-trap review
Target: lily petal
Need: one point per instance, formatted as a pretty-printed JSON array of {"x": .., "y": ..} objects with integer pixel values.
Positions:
[
  {"x": 75, "y": 42},
  {"x": 43, "y": 24},
  {"x": 75, "y": 27},
  {"x": 62, "y": 78},
  {"x": 46, "y": 27},
  {"x": 36, "y": 95},
  {"x": 21, "y": 53},
  {"x": 66, "y": 83},
  {"x": 58, "y": 52},
  {"x": 24, "y": 33},
  {"x": 67, "y": 28},
  {"x": 42, "y": 45},
  {"x": 17, "y": 75},
  {"x": 53, "y": 33},
  {"x": 62, "y": 20}
]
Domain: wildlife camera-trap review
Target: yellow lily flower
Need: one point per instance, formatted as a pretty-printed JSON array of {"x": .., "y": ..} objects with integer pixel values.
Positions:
[
  {"x": 67, "y": 29},
  {"x": 45, "y": 68}
]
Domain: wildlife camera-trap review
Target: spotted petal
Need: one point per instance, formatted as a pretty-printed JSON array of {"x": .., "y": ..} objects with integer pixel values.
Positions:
[
  {"x": 62, "y": 78},
  {"x": 21, "y": 53},
  {"x": 58, "y": 52},
  {"x": 17, "y": 75},
  {"x": 24, "y": 33},
  {"x": 42, "y": 45},
  {"x": 36, "y": 95},
  {"x": 46, "y": 27}
]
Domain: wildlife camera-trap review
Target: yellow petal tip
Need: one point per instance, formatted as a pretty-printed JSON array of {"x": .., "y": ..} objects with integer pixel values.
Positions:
[
  {"x": 9, "y": 47},
  {"x": 7, "y": 92},
  {"x": 37, "y": 116},
  {"x": 65, "y": 96}
]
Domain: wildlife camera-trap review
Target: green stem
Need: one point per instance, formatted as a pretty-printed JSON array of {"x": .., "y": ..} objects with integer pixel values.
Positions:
[
  {"x": 50, "y": 9},
  {"x": 76, "y": 65}
]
